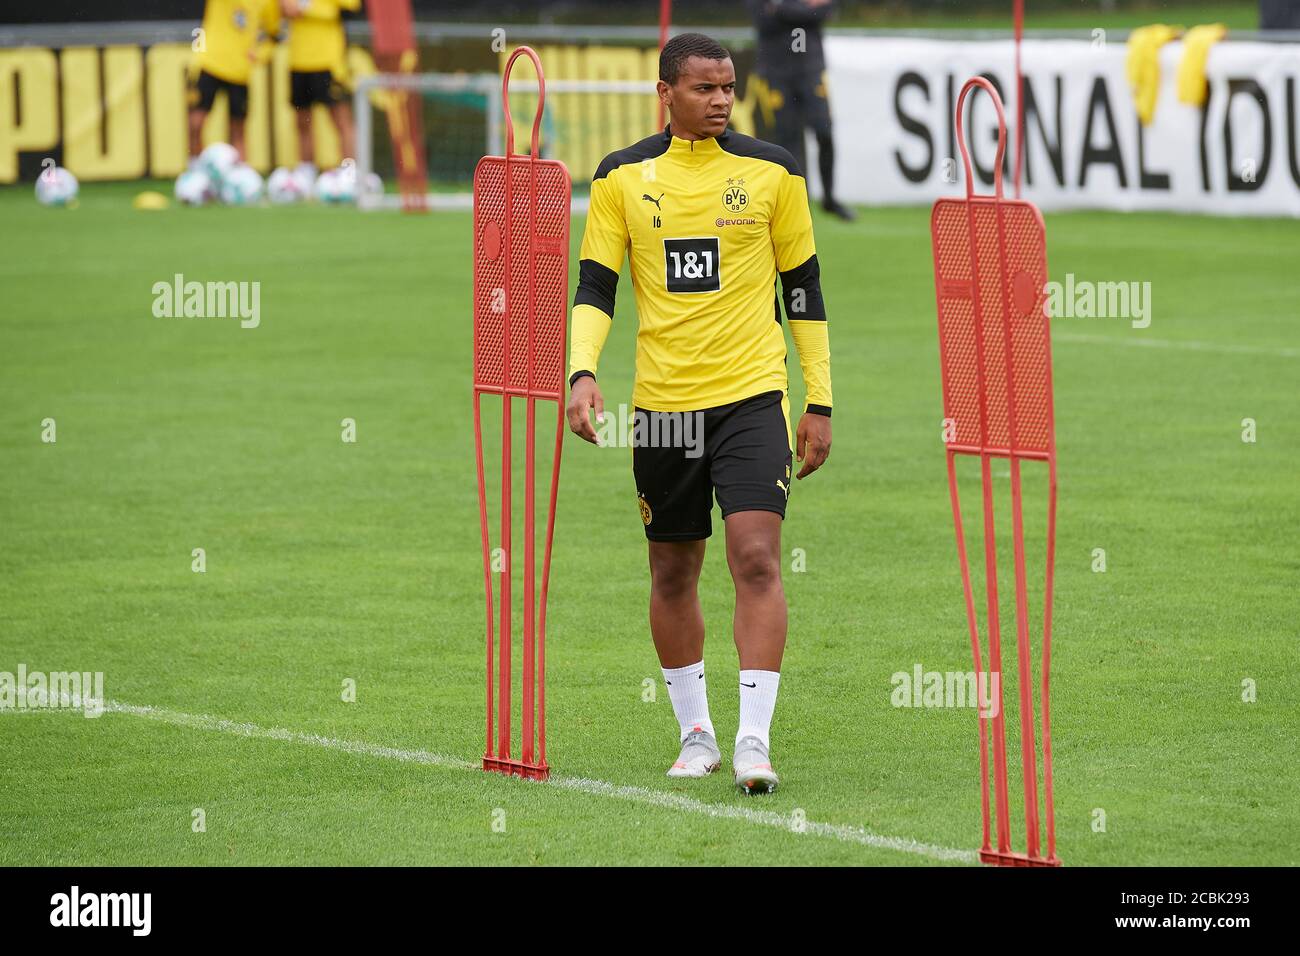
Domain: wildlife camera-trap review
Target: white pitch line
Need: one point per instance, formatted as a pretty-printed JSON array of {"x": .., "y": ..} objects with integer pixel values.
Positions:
[
  {"x": 1187, "y": 346},
  {"x": 769, "y": 818},
  {"x": 600, "y": 788},
  {"x": 222, "y": 725}
]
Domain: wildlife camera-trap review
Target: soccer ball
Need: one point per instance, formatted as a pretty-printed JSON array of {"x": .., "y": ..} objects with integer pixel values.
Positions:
[
  {"x": 326, "y": 188},
  {"x": 372, "y": 185},
  {"x": 337, "y": 186},
  {"x": 283, "y": 187},
  {"x": 56, "y": 187},
  {"x": 218, "y": 160},
  {"x": 306, "y": 174},
  {"x": 194, "y": 187},
  {"x": 241, "y": 186}
]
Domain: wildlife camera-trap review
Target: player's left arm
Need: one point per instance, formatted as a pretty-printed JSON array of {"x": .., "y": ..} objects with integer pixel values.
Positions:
[
  {"x": 801, "y": 292},
  {"x": 269, "y": 32}
]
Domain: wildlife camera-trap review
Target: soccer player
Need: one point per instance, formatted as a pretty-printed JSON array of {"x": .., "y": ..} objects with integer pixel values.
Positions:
[
  {"x": 236, "y": 34},
  {"x": 792, "y": 69},
  {"x": 318, "y": 70},
  {"x": 709, "y": 219}
]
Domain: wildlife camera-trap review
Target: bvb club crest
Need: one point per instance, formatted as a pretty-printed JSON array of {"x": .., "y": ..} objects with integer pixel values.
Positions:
[
  {"x": 646, "y": 516},
  {"x": 734, "y": 197}
]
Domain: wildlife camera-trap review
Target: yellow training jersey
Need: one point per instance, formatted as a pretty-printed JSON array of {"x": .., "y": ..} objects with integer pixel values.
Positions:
[
  {"x": 232, "y": 31},
  {"x": 316, "y": 38},
  {"x": 708, "y": 226}
]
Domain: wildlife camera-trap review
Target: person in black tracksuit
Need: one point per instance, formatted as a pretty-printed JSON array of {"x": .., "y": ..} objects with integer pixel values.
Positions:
[
  {"x": 791, "y": 75},
  {"x": 1279, "y": 14}
]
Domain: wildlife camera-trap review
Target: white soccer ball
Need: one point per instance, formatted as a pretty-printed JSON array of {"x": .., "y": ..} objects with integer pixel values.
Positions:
[
  {"x": 306, "y": 178},
  {"x": 56, "y": 187},
  {"x": 326, "y": 188},
  {"x": 284, "y": 187},
  {"x": 193, "y": 187},
  {"x": 218, "y": 160},
  {"x": 306, "y": 174},
  {"x": 336, "y": 186},
  {"x": 372, "y": 186},
  {"x": 241, "y": 186}
]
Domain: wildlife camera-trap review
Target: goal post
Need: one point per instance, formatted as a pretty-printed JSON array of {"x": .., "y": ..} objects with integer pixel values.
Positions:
[{"x": 583, "y": 121}]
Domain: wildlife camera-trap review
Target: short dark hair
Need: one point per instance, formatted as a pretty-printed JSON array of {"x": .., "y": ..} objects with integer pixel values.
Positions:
[{"x": 673, "y": 57}]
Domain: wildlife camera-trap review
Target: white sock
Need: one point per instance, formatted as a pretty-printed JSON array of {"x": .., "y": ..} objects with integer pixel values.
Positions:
[
  {"x": 687, "y": 691},
  {"x": 757, "y": 701}
]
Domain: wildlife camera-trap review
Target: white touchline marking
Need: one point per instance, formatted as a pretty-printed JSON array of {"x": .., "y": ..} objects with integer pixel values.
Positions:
[
  {"x": 1188, "y": 346},
  {"x": 836, "y": 831},
  {"x": 222, "y": 725},
  {"x": 655, "y": 798}
]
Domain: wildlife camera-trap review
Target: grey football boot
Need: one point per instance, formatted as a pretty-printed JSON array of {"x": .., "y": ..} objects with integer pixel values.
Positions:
[
  {"x": 700, "y": 756},
  {"x": 754, "y": 773}
]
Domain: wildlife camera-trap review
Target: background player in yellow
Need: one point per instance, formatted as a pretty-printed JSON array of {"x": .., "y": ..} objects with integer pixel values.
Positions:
[
  {"x": 236, "y": 35},
  {"x": 710, "y": 221},
  {"x": 318, "y": 71}
]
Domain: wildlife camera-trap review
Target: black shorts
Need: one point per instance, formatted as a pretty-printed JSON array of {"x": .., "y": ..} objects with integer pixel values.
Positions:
[
  {"x": 740, "y": 452},
  {"x": 791, "y": 104},
  {"x": 204, "y": 93},
  {"x": 318, "y": 86},
  {"x": 801, "y": 101}
]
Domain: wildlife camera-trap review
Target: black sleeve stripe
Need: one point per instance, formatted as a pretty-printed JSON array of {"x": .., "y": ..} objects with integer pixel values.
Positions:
[
  {"x": 647, "y": 148},
  {"x": 738, "y": 144},
  {"x": 806, "y": 277},
  {"x": 597, "y": 285},
  {"x": 820, "y": 410}
]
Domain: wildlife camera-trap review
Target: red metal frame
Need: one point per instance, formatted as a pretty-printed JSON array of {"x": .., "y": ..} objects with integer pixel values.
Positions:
[
  {"x": 990, "y": 267},
  {"x": 521, "y": 214},
  {"x": 1018, "y": 29}
]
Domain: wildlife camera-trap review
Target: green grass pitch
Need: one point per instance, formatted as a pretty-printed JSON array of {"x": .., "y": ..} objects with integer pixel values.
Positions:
[{"x": 329, "y": 561}]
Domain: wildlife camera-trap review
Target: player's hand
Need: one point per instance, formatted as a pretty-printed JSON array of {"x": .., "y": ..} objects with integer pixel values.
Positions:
[
  {"x": 290, "y": 8},
  {"x": 812, "y": 442},
  {"x": 583, "y": 397}
]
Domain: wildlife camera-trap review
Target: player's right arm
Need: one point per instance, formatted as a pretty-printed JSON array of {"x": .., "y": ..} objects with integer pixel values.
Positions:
[{"x": 604, "y": 244}]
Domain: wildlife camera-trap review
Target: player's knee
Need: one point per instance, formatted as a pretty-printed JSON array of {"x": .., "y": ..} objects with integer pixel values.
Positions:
[
  {"x": 672, "y": 579},
  {"x": 754, "y": 566}
]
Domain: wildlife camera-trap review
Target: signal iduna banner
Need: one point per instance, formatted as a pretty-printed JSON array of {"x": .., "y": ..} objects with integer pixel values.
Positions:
[{"x": 892, "y": 102}]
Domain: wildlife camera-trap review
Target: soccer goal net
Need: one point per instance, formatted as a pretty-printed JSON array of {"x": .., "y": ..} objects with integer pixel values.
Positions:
[{"x": 463, "y": 120}]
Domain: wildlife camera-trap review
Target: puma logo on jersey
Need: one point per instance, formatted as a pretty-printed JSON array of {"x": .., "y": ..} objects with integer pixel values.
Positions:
[
  {"x": 646, "y": 197},
  {"x": 780, "y": 484}
]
